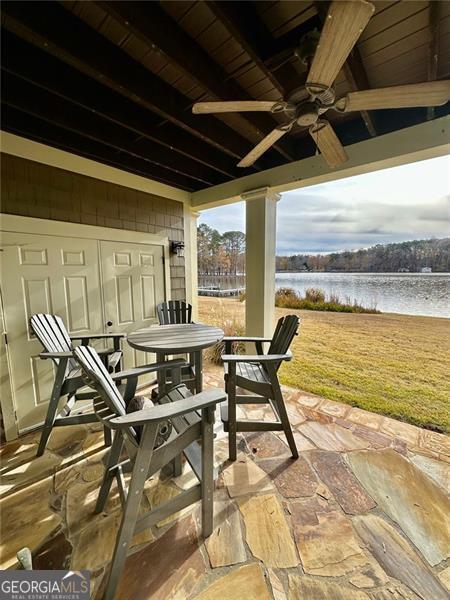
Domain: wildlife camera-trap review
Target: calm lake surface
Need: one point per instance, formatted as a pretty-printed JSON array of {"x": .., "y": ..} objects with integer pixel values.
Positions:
[{"x": 425, "y": 294}]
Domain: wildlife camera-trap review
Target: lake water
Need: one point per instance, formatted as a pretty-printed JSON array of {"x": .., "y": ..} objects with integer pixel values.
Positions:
[{"x": 407, "y": 293}]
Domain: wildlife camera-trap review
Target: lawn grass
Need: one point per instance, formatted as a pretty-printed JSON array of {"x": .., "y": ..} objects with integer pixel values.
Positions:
[{"x": 395, "y": 365}]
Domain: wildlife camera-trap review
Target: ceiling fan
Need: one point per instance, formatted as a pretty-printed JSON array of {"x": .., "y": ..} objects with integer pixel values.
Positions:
[{"x": 305, "y": 106}]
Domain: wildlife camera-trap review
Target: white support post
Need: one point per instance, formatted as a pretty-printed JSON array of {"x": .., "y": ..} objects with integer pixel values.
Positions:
[
  {"x": 261, "y": 213},
  {"x": 191, "y": 269}
]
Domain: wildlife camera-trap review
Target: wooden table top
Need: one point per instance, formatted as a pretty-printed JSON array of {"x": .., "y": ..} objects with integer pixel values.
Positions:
[{"x": 174, "y": 339}]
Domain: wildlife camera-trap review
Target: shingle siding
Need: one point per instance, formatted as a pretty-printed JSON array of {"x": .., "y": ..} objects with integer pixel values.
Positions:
[{"x": 32, "y": 189}]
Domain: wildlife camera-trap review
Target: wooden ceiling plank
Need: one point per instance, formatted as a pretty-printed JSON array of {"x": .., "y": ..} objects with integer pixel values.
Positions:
[
  {"x": 246, "y": 27},
  {"x": 38, "y": 130},
  {"x": 398, "y": 31},
  {"x": 50, "y": 26},
  {"x": 42, "y": 69},
  {"x": 43, "y": 105},
  {"x": 394, "y": 14},
  {"x": 151, "y": 24},
  {"x": 435, "y": 10}
]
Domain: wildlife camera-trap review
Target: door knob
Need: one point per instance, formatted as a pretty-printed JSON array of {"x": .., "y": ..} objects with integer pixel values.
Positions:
[{"x": 109, "y": 323}]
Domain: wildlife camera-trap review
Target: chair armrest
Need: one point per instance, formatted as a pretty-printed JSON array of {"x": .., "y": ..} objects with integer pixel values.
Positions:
[
  {"x": 97, "y": 336},
  {"x": 170, "y": 410},
  {"x": 261, "y": 358},
  {"x": 245, "y": 338},
  {"x": 137, "y": 371},
  {"x": 105, "y": 351},
  {"x": 45, "y": 355}
]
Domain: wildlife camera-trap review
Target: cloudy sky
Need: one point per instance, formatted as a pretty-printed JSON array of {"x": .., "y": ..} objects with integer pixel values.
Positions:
[{"x": 399, "y": 204}]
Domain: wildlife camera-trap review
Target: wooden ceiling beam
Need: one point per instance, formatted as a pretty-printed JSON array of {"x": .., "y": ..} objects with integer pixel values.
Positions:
[
  {"x": 154, "y": 27},
  {"x": 51, "y": 27},
  {"x": 27, "y": 126},
  {"x": 435, "y": 9},
  {"x": 354, "y": 70},
  {"x": 282, "y": 48},
  {"x": 244, "y": 24},
  {"x": 43, "y": 70},
  {"x": 43, "y": 105}
]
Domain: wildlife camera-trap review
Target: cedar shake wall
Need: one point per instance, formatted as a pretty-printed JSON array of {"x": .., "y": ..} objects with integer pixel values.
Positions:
[{"x": 32, "y": 189}]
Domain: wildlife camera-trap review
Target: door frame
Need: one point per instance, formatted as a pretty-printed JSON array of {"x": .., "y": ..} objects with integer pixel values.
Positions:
[{"x": 31, "y": 225}]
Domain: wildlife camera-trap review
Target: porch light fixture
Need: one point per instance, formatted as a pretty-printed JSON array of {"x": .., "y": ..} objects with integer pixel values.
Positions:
[{"x": 177, "y": 248}]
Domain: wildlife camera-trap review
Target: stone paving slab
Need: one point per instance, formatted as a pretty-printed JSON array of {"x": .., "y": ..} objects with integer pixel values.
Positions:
[{"x": 317, "y": 528}]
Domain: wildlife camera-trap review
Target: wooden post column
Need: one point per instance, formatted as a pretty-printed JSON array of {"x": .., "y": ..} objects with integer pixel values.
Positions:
[
  {"x": 190, "y": 253},
  {"x": 261, "y": 213}
]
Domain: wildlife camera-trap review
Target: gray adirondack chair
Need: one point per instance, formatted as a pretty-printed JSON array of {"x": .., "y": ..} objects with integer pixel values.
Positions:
[
  {"x": 192, "y": 418},
  {"x": 54, "y": 337},
  {"x": 172, "y": 313},
  {"x": 258, "y": 374}
]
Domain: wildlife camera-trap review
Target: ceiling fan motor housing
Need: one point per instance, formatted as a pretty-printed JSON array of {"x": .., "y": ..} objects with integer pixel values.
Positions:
[{"x": 307, "y": 114}]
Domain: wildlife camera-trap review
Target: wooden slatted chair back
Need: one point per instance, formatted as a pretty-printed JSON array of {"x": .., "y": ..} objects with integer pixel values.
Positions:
[
  {"x": 173, "y": 312},
  {"x": 110, "y": 403},
  {"x": 284, "y": 333},
  {"x": 53, "y": 335}
]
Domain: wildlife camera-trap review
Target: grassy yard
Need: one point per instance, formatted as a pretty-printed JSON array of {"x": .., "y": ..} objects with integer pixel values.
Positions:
[{"x": 396, "y": 365}]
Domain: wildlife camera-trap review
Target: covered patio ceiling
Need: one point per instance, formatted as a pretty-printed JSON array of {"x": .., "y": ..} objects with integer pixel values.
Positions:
[{"x": 115, "y": 81}]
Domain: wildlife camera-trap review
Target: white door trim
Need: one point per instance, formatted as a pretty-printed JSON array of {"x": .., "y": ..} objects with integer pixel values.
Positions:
[{"x": 30, "y": 225}]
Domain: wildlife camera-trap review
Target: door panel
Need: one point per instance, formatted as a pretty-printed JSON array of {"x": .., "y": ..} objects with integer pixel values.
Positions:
[
  {"x": 45, "y": 274},
  {"x": 133, "y": 284}
]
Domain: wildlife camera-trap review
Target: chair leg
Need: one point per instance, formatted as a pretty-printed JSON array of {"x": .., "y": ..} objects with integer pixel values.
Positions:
[
  {"x": 177, "y": 466},
  {"x": 107, "y": 435},
  {"x": 231, "y": 390},
  {"x": 130, "y": 514},
  {"x": 207, "y": 471},
  {"x": 113, "y": 459},
  {"x": 52, "y": 406},
  {"x": 279, "y": 401}
]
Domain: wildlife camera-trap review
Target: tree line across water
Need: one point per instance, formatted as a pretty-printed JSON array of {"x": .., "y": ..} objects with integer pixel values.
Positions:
[
  {"x": 224, "y": 254},
  {"x": 383, "y": 258}
]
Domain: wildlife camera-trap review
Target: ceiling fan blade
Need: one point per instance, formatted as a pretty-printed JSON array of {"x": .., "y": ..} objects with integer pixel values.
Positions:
[
  {"x": 265, "y": 144},
  {"x": 328, "y": 143},
  {"x": 431, "y": 93},
  {"x": 344, "y": 24},
  {"x": 202, "y": 108}
]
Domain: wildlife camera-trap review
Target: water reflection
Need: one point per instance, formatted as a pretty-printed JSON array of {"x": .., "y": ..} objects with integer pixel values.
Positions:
[{"x": 406, "y": 293}]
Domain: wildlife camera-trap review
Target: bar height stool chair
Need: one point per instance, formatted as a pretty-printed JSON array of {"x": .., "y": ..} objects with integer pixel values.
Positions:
[
  {"x": 58, "y": 344},
  {"x": 258, "y": 374},
  {"x": 140, "y": 434},
  {"x": 174, "y": 312}
]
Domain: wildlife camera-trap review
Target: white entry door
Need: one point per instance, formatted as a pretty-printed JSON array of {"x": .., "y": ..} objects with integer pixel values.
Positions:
[
  {"x": 52, "y": 275},
  {"x": 133, "y": 284}
]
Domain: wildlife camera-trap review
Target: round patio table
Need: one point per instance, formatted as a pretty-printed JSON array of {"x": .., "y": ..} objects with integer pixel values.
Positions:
[{"x": 183, "y": 338}]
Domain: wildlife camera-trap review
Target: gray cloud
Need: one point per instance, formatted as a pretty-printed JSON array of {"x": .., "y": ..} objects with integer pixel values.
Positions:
[{"x": 395, "y": 205}]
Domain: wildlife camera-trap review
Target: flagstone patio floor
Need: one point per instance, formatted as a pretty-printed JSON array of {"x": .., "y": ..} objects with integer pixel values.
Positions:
[{"x": 362, "y": 514}]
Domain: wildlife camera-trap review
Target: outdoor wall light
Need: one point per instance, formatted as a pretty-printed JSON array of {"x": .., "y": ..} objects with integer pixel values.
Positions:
[{"x": 177, "y": 248}]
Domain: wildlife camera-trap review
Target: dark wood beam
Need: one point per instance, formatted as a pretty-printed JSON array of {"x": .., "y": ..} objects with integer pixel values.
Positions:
[
  {"x": 53, "y": 28},
  {"x": 435, "y": 9},
  {"x": 43, "y": 70},
  {"x": 154, "y": 27},
  {"x": 282, "y": 48},
  {"x": 27, "y": 126},
  {"x": 244, "y": 24},
  {"x": 354, "y": 70},
  {"x": 43, "y": 105}
]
